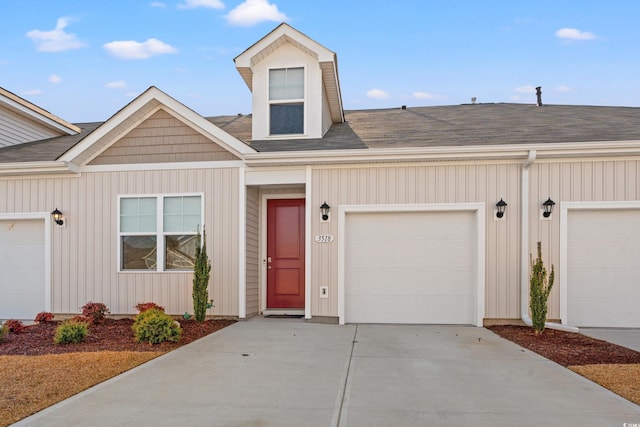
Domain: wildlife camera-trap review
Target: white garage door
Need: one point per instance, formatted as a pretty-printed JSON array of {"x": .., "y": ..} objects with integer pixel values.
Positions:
[
  {"x": 410, "y": 267},
  {"x": 22, "y": 267},
  {"x": 603, "y": 268}
]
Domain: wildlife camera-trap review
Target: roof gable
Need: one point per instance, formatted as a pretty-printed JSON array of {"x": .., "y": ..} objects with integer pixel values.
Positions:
[
  {"x": 141, "y": 109},
  {"x": 284, "y": 33}
]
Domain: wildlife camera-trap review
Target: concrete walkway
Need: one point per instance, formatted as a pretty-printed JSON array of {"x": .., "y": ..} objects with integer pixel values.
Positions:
[
  {"x": 281, "y": 372},
  {"x": 629, "y": 338}
]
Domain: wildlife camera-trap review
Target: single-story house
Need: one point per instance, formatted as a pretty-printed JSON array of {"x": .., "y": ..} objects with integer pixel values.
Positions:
[{"x": 371, "y": 216}]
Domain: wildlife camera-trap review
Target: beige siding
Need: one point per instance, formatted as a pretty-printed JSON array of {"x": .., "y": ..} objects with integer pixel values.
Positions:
[
  {"x": 17, "y": 129},
  {"x": 253, "y": 250},
  {"x": 84, "y": 253},
  {"x": 578, "y": 181},
  {"x": 162, "y": 138},
  {"x": 423, "y": 184}
]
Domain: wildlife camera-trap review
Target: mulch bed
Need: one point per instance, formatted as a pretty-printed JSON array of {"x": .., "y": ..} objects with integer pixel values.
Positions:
[
  {"x": 111, "y": 335},
  {"x": 567, "y": 348}
]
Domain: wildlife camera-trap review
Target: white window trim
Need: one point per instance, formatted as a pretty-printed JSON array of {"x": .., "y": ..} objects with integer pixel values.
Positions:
[
  {"x": 159, "y": 233},
  {"x": 287, "y": 101}
]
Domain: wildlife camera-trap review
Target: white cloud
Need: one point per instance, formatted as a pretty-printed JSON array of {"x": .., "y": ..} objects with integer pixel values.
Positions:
[
  {"x": 574, "y": 34},
  {"x": 55, "y": 40},
  {"x": 562, "y": 88},
  {"x": 377, "y": 94},
  {"x": 525, "y": 89},
  {"x": 54, "y": 78},
  {"x": 118, "y": 84},
  {"x": 252, "y": 12},
  {"x": 158, "y": 4},
  {"x": 423, "y": 95},
  {"x": 131, "y": 49},
  {"x": 209, "y": 4},
  {"x": 32, "y": 92}
]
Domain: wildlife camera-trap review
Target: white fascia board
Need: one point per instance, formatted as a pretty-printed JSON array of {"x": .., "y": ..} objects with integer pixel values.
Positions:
[
  {"x": 36, "y": 168},
  {"x": 162, "y": 166},
  {"x": 207, "y": 128},
  {"x": 490, "y": 152}
]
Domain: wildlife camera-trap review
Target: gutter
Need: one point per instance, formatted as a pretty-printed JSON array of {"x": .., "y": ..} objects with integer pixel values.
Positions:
[{"x": 524, "y": 250}]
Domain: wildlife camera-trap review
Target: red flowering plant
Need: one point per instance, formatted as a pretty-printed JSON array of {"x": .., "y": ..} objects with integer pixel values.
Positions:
[
  {"x": 43, "y": 317},
  {"x": 144, "y": 306},
  {"x": 95, "y": 312},
  {"x": 14, "y": 326}
]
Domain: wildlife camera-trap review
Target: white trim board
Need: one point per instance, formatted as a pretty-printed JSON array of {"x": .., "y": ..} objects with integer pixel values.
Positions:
[
  {"x": 565, "y": 207},
  {"x": 477, "y": 208}
]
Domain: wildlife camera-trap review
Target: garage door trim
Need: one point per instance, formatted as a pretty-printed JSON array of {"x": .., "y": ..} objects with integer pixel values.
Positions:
[
  {"x": 565, "y": 207},
  {"x": 46, "y": 217},
  {"x": 477, "y": 208}
]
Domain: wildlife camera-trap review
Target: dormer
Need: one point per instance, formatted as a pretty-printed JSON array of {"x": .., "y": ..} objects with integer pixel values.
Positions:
[{"x": 294, "y": 83}]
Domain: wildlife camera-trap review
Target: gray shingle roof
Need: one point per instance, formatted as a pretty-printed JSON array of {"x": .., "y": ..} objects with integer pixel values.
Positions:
[{"x": 454, "y": 125}]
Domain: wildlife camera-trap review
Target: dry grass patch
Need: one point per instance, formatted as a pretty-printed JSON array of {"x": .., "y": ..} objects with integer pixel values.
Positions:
[
  {"x": 29, "y": 384},
  {"x": 620, "y": 379}
]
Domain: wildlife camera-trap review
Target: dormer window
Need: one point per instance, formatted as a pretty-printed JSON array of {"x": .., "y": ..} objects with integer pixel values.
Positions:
[{"x": 286, "y": 101}]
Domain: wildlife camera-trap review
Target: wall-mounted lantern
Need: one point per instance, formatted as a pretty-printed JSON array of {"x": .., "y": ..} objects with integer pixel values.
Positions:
[
  {"x": 500, "y": 206},
  {"x": 324, "y": 209},
  {"x": 548, "y": 207},
  {"x": 57, "y": 217}
]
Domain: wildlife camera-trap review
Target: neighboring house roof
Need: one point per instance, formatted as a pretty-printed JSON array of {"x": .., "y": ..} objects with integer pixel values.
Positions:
[{"x": 445, "y": 126}]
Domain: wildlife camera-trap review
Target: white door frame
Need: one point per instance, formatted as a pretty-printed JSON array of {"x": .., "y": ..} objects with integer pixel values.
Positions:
[
  {"x": 565, "y": 207},
  {"x": 46, "y": 217},
  {"x": 477, "y": 208},
  {"x": 263, "y": 251}
]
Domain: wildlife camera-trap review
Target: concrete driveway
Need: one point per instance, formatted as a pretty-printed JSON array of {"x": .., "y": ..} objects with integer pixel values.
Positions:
[{"x": 282, "y": 372}]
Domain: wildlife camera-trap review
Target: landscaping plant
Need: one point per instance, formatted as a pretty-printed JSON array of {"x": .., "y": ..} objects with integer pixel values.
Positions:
[
  {"x": 43, "y": 317},
  {"x": 201, "y": 271},
  {"x": 4, "y": 330},
  {"x": 155, "y": 326},
  {"x": 71, "y": 331},
  {"x": 14, "y": 326},
  {"x": 539, "y": 291},
  {"x": 144, "y": 306},
  {"x": 95, "y": 312}
]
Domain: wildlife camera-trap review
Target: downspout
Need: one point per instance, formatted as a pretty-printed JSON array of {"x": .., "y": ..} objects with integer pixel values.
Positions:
[{"x": 524, "y": 249}]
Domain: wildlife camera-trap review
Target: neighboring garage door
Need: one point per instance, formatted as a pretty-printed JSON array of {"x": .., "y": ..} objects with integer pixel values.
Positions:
[
  {"x": 603, "y": 268},
  {"x": 22, "y": 267},
  {"x": 410, "y": 267}
]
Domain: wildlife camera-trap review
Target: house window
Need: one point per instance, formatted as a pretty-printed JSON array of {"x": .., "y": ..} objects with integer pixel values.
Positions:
[
  {"x": 286, "y": 101},
  {"x": 159, "y": 233}
]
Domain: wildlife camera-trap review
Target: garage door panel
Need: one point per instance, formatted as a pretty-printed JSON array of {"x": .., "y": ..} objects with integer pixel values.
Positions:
[
  {"x": 22, "y": 263},
  {"x": 603, "y": 248},
  {"x": 410, "y": 267}
]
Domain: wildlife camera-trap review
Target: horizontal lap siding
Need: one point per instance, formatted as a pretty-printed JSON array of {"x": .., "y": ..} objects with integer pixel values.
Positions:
[
  {"x": 423, "y": 184},
  {"x": 579, "y": 181},
  {"x": 17, "y": 129},
  {"x": 84, "y": 253},
  {"x": 252, "y": 267}
]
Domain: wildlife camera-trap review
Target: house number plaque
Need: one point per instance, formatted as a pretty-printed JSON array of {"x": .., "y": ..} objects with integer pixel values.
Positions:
[{"x": 324, "y": 238}]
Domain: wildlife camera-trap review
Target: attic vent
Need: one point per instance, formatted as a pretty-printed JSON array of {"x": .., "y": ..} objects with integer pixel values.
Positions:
[{"x": 404, "y": 107}]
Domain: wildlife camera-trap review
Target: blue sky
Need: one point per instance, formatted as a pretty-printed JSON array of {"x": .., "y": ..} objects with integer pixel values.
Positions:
[{"x": 83, "y": 60}]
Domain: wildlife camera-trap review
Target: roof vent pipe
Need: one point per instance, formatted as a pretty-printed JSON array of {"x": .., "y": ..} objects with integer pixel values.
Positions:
[
  {"x": 404, "y": 107},
  {"x": 539, "y": 95}
]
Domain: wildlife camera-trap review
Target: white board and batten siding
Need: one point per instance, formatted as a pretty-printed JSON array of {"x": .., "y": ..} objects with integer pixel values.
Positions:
[
  {"x": 437, "y": 185},
  {"x": 84, "y": 264}
]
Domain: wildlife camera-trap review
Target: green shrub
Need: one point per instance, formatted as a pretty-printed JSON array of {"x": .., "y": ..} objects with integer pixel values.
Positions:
[
  {"x": 4, "y": 330},
  {"x": 201, "y": 272},
  {"x": 154, "y": 326},
  {"x": 94, "y": 311},
  {"x": 539, "y": 292},
  {"x": 71, "y": 331}
]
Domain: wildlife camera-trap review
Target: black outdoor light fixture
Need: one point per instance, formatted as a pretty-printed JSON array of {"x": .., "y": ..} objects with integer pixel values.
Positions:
[
  {"x": 324, "y": 208},
  {"x": 548, "y": 207},
  {"x": 501, "y": 205},
  {"x": 57, "y": 217}
]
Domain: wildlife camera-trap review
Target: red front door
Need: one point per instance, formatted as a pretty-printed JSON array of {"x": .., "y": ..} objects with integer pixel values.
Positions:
[{"x": 285, "y": 253}]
